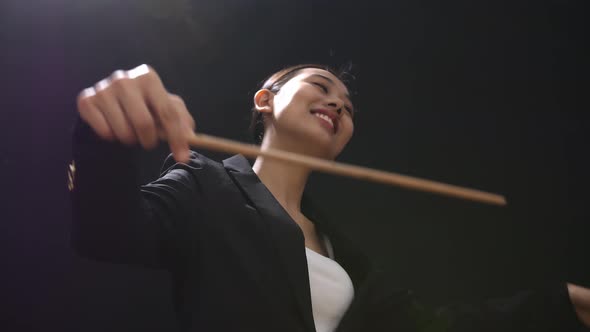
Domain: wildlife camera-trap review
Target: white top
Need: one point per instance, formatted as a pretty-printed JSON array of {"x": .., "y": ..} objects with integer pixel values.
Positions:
[{"x": 331, "y": 289}]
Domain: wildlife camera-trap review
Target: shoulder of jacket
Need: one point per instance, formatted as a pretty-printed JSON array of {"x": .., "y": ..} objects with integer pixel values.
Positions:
[{"x": 196, "y": 161}]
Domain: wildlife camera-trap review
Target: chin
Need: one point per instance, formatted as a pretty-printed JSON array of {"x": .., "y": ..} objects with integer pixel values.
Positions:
[
  {"x": 323, "y": 149},
  {"x": 318, "y": 143},
  {"x": 334, "y": 154}
]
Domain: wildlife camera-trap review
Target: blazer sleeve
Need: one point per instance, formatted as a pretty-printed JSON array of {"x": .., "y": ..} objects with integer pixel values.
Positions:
[
  {"x": 546, "y": 309},
  {"x": 117, "y": 220}
]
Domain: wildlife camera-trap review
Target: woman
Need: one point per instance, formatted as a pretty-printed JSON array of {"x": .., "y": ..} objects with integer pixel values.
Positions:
[{"x": 245, "y": 247}]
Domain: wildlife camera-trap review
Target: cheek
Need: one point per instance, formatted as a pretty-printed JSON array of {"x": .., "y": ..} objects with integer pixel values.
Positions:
[
  {"x": 303, "y": 95},
  {"x": 348, "y": 127},
  {"x": 344, "y": 139}
]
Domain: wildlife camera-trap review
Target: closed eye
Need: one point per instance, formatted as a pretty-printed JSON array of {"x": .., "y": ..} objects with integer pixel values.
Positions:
[
  {"x": 349, "y": 110},
  {"x": 322, "y": 86},
  {"x": 325, "y": 89}
]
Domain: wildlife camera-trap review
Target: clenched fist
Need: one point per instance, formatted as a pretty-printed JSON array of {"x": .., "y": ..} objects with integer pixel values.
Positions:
[{"x": 134, "y": 107}]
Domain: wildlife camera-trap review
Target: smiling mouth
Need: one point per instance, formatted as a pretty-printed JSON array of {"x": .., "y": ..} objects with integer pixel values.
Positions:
[{"x": 326, "y": 121}]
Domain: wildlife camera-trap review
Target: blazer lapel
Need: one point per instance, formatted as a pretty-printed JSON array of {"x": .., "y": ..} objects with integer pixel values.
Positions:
[{"x": 286, "y": 235}]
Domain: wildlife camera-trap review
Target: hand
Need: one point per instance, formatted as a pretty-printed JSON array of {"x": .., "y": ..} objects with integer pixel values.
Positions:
[
  {"x": 580, "y": 298},
  {"x": 133, "y": 106}
]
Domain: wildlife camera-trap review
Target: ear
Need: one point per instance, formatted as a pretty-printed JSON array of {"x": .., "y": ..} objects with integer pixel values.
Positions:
[{"x": 263, "y": 101}]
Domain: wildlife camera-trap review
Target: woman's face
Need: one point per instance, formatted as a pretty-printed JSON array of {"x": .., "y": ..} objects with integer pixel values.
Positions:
[{"x": 312, "y": 109}]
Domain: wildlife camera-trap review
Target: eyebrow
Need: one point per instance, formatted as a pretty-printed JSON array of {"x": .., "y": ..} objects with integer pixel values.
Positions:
[{"x": 332, "y": 81}]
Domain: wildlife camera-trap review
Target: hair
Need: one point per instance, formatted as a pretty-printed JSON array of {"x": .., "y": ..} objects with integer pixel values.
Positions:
[{"x": 276, "y": 81}]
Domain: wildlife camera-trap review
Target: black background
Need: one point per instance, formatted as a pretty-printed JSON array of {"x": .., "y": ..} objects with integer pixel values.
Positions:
[{"x": 484, "y": 94}]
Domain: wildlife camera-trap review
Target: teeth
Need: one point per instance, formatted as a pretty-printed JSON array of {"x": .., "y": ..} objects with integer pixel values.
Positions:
[{"x": 325, "y": 117}]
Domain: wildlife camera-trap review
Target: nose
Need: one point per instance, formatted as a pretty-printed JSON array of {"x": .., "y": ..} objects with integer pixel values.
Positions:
[{"x": 336, "y": 105}]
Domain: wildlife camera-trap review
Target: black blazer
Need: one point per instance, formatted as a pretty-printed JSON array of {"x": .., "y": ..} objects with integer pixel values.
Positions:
[{"x": 238, "y": 260}]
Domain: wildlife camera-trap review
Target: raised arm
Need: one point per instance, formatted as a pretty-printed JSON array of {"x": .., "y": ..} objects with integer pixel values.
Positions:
[{"x": 114, "y": 218}]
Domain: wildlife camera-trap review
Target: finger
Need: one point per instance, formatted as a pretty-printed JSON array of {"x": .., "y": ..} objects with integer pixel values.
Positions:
[
  {"x": 137, "y": 113},
  {"x": 184, "y": 113},
  {"x": 177, "y": 134},
  {"x": 112, "y": 112},
  {"x": 161, "y": 133},
  {"x": 93, "y": 117},
  {"x": 165, "y": 114}
]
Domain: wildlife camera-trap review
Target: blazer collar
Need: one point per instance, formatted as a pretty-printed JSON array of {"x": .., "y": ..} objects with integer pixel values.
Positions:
[
  {"x": 290, "y": 244},
  {"x": 286, "y": 235},
  {"x": 354, "y": 261}
]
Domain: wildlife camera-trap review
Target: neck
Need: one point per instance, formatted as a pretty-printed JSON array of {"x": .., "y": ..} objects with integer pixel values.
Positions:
[{"x": 285, "y": 181}]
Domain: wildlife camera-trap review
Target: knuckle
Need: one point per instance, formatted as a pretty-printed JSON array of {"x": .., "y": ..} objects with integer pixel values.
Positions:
[
  {"x": 190, "y": 121},
  {"x": 86, "y": 93},
  {"x": 83, "y": 102},
  {"x": 140, "y": 71},
  {"x": 165, "y": 110},
  {"x": 167, "y": 115},
  {"x": 176, "y": 99},
  {"x": 144, "y": 124},
  {"x": 150, "y": 75},
  {"x": 118, "y": 74},
  {"x": 121, "y": 84},
  {"x": 101, "y": 100},
  {"x": 149, "y": 68},
  {"x": 102, "y": 85},
  {"x": 152, "y": 84},
  {"x": 146, "y": 67}
]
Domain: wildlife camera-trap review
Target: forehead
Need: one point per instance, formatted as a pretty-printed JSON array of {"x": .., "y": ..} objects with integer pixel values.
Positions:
[{"x": 317, "y": 72}]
